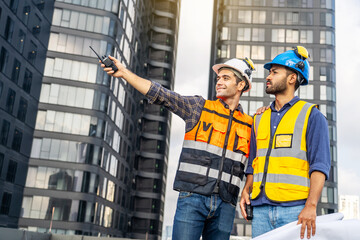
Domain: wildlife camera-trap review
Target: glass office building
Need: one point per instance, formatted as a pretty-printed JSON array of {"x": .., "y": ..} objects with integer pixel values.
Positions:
[
  {"x": 24, "y": 34},
  {"x": 99, "y": 155},
  {"x": 262, "y": 29}
]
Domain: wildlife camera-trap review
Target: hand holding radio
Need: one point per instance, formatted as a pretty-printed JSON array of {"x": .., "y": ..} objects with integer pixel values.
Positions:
[
  {"x": 114, "y": 68},
  {"x": 111, "y": 65},
  {"x": 245, "y": 206},
  {"x": 249, "y": 211}
]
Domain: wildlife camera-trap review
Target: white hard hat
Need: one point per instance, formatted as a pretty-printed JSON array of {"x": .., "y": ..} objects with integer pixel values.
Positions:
[{"x": 243, "y": 66}]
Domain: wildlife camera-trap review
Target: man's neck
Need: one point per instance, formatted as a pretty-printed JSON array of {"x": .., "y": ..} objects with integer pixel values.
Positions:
[
  {"x": 232, "y": 102},
  {"x": 282, "y": 99}
]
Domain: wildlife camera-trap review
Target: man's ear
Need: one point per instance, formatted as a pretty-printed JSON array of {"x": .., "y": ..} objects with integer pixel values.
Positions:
[
  {"x": 241, "y": 85},
  {"x": 292, "y": 78}
]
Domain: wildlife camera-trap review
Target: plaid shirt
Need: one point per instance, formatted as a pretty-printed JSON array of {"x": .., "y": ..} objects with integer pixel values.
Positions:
[{"x": 189, "y": 108}]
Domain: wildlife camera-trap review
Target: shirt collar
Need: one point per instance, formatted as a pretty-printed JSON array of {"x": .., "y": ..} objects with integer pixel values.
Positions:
[
  {"x": 239, "y": 107},
  {"x": 287, "y": 105}
]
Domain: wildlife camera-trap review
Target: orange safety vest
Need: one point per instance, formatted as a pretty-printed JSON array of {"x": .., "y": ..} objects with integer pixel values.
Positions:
[{"x": 215, "y": 153}]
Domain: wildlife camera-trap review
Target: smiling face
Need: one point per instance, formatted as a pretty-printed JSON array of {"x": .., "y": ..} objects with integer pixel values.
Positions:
[
  {"x": 226, "y": 86},
  {"x": 277, "y": 80}
]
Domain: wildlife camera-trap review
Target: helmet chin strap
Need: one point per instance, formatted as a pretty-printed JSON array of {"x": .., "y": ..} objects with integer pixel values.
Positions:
[{"x": 300, "y": 79}]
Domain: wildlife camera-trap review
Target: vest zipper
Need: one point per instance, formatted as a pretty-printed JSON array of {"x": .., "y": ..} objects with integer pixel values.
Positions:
[
  {"x": 224, "y": 150},
  {"x": 268, "y": 154}
]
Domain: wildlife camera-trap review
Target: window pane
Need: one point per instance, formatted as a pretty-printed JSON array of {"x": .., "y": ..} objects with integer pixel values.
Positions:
[
  {"x": 16, "y": 144},
  {"x": 244, "y": 16},
  {"x": 4, "y": 132},
  {"x": 258, "y": 52},
  {"x": 259, "y": 17},
  {"x": 276, "y": 51},
  {"x": 9, "y": 29},
  {"x": 224, "y": 51},
  {"x": 27, "y": 81},
  {"x": 278, "y": 18},
  {"x": 5, "y": 203},
  {"x": 278, "y": 35},
  {"x": 10, "y": 101},
  {"x": 3, "y": 60},
  {"x": 257, "y": 89},
  {"x": 244, "y": 34},
  {"x": 254, "y": 105},
  {"x": 35, "y": 150},
  {"x": 225, "y": 34},
  {"x": 21, "y": 115},
  {"x": 11, "y": 171},
  {"x": 242, "y": 51},
  {"x": 26, "y": 206},
  {"x": 307, "y": 92},
  {"x": 258, "y": 34},
  {"x": 292, "y": 36}
]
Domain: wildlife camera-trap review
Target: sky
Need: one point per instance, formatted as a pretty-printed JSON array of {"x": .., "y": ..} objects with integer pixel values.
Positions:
[
  {"x": 348, "y": 97},
  {"x": 191, "y": 78}
]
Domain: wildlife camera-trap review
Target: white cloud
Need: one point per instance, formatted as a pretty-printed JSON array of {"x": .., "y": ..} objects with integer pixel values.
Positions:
[
  {"x": 349, "y": 179},
  {"x": 347, "y": 81}
]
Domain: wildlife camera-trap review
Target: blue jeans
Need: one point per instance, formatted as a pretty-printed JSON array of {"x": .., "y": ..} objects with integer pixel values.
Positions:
[
  {"x": 267, "y": 217},
  {"x": 198, "y": 215}
]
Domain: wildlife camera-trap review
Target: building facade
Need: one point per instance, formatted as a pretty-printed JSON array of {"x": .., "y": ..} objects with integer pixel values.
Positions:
[
  {"x": 24, "y": 35},
  {"x": 261, "y": 30},
  {"x": 99, "y": 155}
]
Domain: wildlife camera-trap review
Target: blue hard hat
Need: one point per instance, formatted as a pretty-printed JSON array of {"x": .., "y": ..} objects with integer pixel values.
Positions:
[{"x": 295, "y": 59}]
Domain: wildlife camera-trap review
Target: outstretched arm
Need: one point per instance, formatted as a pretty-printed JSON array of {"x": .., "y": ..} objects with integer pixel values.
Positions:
[
  {"x": 187, "y": 107},
  {"x": 140, "y": 84}
]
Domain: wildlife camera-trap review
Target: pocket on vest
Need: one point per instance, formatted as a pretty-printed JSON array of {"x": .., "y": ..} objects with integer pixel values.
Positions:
[
  {"x": 262, "y": 139},
  {"x": 193, "y": 169},
  {"x": 242, "y": 143},
  {"x": 218, "y": 133}
]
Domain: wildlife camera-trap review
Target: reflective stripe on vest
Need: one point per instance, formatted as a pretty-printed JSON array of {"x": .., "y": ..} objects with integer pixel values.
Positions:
[
  {"x": 238, "y": 157},
  {"x": 215, "y": 150},
  {"x": 281, "y": 165},
  {"x": 213, "y": 173}
]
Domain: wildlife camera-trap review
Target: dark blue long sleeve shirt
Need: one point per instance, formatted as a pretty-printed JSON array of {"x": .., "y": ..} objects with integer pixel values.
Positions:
[{"x": 317, "y": 143}]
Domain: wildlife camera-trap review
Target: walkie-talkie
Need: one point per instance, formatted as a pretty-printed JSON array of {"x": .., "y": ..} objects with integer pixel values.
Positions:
[
  {"x": 249, "y": 210},
  {"x": 106, "y": 61}
]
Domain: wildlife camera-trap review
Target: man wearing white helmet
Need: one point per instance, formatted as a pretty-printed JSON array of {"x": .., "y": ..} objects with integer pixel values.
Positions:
[
  {"x": 215, "y": 149},
  {"x": 289, "y": 154}
]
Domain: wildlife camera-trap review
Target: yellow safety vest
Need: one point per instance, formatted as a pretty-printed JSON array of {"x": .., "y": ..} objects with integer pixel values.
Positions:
[{"x": 281, "y": 167}]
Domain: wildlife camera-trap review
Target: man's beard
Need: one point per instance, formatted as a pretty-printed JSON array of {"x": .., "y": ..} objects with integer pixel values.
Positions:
[{"x": 277, "y": 88}]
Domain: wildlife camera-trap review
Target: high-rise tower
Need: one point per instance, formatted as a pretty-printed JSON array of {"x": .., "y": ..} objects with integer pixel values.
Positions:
[
  {"x": 99, "y": 156},
  {"x": 24, "y": 35},
  {"x": 261, "y": 30}
]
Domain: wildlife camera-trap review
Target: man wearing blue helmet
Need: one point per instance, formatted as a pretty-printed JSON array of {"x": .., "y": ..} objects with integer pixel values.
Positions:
[{"x": 289, "y": 158}]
